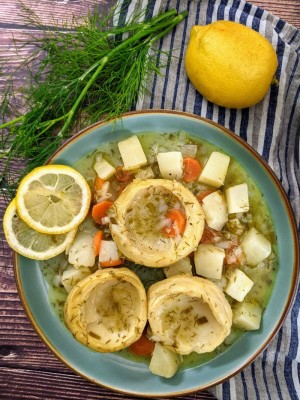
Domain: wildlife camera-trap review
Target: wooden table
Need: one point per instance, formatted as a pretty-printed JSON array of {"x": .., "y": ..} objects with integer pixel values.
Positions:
[{"x": 28, "y": 370}]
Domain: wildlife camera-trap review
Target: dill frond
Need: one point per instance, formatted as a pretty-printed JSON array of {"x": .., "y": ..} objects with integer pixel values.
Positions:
[{"x": 78, "y": 75}]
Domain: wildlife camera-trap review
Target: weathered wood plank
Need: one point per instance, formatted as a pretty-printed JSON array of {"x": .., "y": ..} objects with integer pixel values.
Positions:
[
  {"x": 18, "y": 383},
  {"x": 49, "y": 12},
  {"x": 288, "y": 10}
]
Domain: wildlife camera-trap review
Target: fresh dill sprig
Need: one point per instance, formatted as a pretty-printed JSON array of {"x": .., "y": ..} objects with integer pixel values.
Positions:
[{"x": 88, "y": 71}]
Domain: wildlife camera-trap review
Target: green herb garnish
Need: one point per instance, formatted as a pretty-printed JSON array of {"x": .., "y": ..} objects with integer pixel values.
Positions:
[{"x": 79, "y": 74}]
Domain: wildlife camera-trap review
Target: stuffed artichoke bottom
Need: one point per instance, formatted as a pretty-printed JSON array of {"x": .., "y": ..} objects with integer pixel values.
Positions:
[
  {"x": 138, "y": 218},
  {"x": 188, "y": 314},
  {"x": 108, "y": 310}
]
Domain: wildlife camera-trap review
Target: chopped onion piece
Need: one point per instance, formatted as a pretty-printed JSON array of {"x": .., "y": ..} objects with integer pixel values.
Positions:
[{"x": 189, "y": 150}]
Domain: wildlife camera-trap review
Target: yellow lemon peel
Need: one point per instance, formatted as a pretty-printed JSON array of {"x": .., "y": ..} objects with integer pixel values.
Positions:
[{"x": 230, "y": 64}]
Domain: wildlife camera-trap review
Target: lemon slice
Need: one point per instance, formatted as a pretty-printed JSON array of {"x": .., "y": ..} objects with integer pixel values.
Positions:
[
  {"x": 53, "y": 199},
  {"x": 30, "y": 243}
]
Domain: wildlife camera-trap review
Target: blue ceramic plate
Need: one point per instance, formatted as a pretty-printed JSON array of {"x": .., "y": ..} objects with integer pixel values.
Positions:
[{"x": 115, "y": 372}]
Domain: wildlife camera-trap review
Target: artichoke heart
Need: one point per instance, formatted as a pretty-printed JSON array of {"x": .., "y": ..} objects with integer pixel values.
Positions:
[
  {"x": 188, "y": 314},
  {"x": 137, "y": 217},
  {"x": 107, "y": 311}
]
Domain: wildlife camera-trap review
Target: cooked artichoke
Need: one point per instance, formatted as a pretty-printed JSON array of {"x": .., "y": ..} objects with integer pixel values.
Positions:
[
  {"x": 137, "y": 217},
  {"x": 107, "y": 311},
  {"x": 188, "y": 314}
]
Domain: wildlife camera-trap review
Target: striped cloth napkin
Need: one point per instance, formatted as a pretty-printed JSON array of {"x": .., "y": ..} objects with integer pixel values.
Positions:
[{"x": 273, "y": 128}]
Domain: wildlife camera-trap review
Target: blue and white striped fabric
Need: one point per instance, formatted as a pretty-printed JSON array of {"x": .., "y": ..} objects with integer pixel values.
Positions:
[{"x": 273, "y": 128}]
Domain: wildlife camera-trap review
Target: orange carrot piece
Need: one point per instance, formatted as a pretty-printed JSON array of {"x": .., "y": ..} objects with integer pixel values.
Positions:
[
  {"x": 98, "y": 183},
  {"x": 111, "y": 263},
  {"x": 123, "y": 176},
  {"x": 99, "y": 210},
  {"x": 200, "y": 196},
  {"x": 191, "y": 169},
  {"x": 178, "y": 221},
  {"x": 97, "y": 242},
  {"x": 143, "y": 346}
]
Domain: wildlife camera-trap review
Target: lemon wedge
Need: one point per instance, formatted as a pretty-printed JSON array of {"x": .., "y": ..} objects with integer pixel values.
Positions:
[
  {"x": 53, "y": 199},
  {"x": 30, "y": 243}
]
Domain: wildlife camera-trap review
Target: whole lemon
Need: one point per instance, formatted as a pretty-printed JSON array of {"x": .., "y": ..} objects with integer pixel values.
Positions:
[{"x": 230, "y": 64}]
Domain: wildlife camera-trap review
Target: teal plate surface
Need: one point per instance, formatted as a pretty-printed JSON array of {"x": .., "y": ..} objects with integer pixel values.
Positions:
[{"x": 118, "y": 373}]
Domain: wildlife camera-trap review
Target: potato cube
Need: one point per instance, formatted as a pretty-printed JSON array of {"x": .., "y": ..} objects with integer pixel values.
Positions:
[
  {"x": 215, "y": 210},
  {"x": 103, "y": 168},
  {"x": 238, "y": 284},
  {"x": 237, "y": 198},
  {"x": 182, "y": 266},
  {"x": 81, "y": 253},
  {"x": 108, "y": 251},
  {"x": 247, "y": 315},
  {"x": 209, "y": 261},
  {"x": 70, "y": 277},
  {"x": 164, "y": 362},
  {"x": 256, "y": 247},
  {"x": 132, "y": 153},
  {"x": 170, "y": 164},
  {"x": 215, "y": 169}
]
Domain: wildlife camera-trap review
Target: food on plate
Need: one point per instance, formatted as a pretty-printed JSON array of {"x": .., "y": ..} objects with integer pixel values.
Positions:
[
  {"x": 144, "y": 216},
  {"x": 188, "y": 314},
  {"x": 182, "y": 221},
  {"x": 53, "y": 199},
  {"x": 29, "y": 242},
  {"x": 230, "y": 64},
  {"x": 164, "y": 362},
  {"x": 107, "y": 310}
]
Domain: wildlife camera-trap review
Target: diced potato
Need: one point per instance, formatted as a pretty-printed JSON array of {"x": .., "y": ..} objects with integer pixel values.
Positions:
[
  {"x": 103, "y": 168},
  {"x": 209, "y": 261},
  {"x": 215, "y": 169},
  {"x": 164, "y": 362},
  {"x": 237, "y": 198},
  {"x": 183, "y": 266},
  {"x": 215, "y": 210},
  {"x": 170, "y": 164},
  {"x": 132, "y": 153},
  {"x": 108, "y": 251},
  {"x": 72, "y": 276},
  {"x": 247, "y": 315},
  {"x": 81, "y": 253},
  {"x": 238, "y": 284},
  {"x": 256, "y": 247}
]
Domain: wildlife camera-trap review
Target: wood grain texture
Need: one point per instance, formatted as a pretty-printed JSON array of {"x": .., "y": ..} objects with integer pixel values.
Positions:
[
  {"x": 28, "y": 370},
  {"x": 288, "y": 10}
]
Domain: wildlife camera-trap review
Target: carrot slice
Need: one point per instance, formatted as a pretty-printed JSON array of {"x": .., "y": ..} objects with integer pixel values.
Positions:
[
  {"x": 200, "y": 196},
  {"x": 111, "y": 263},
  {"x": 123, "y": 176},
  {"x": 178, "y": 223},
  {"x": 99, "y": 210},
  {"x": 98, "y": 183},
  {"x": 97, "y": 242},
  {"x": 191, "y": 169},
  {"x": 143, "y": 346}
]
